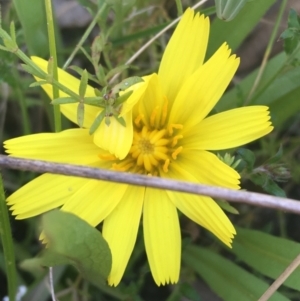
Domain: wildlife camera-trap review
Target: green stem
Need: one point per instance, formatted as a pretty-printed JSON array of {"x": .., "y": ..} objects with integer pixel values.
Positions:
[
  {"x": 44, "y": 76},
  {"x": 85, "y": 35},
  {"x": 267, "y": 52},
  {"x": 52, "y": 48},
  {"x": 8, "y": 247},
  {"x": 22, "y": 104},
  {"x": 179, "y": 8}
]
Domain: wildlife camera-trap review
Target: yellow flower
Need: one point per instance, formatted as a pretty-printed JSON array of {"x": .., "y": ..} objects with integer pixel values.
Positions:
[{"x": 172, "y": 137}]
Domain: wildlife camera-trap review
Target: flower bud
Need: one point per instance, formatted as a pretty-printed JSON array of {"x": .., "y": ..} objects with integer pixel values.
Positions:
[{"x": 228, "y": 9}]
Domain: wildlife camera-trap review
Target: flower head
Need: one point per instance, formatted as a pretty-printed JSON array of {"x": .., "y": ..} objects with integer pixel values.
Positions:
[{"x": 170, "y": 134}]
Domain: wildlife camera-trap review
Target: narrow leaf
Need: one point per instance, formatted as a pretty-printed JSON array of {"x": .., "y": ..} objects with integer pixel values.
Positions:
[
  {"x": 227, "y": 279},
  {"x": 269, "y": 255}
]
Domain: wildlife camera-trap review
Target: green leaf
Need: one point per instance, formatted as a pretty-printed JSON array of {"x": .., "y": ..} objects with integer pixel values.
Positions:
[
  {"x": 269, "y": 255},
  {"x": 290, "y": 44},
  {"x": 293, "y": 19},
  {"x": 247, "y": 157},
  {"x": 277, "y": 157},
  {"x": 267, "y": 184},
  {"x": 63, "y": 100},
  {"x": 72, "y": 240},
  {"x": 83, "y": 83},
  {"x": 38, "y": 84},
  {"x": 33, "y": 20},
  {"x": 32, "y": 71},
  {"x": 227, "y": 207},
  {"x": 189, "y": 292},
  {"x": 97, "y": 122},
  {"x": 80, "y": 114},
  {"x": 227, "y": 279}
]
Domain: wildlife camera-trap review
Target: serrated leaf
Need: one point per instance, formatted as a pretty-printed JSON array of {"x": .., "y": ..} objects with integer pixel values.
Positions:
[
  {"x": 225, "y": 278},
  {"x": 73, "y": 241},
  {"x": 269, "y": 255}
]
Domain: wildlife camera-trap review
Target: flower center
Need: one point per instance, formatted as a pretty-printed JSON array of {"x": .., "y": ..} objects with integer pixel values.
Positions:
[{"x": 154, "y": 147}]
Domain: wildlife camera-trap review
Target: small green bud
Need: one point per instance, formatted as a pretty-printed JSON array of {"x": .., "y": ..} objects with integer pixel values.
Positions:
[{"x": 228, "y": 9}]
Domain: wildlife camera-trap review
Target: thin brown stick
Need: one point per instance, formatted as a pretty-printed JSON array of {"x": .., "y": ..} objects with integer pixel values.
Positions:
[
  {"x": 238, "y": 196},
  {"x": 276, "y": 284}
]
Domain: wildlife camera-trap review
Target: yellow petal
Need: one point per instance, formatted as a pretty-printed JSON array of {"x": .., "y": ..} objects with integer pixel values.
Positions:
[
  {"x": 230, "y": 129},
  {"x": 43, "y": 194},
  {"x": 138, "y": 91},
  {"x": 162, "y": 236},
  {"x": 201, "y": 91},
  {"x": 95, "y": 200},
  {"x": 200, "y": 209},
  {"x": 184, "y": 53},
  {"x": 206, "y": 167},
  {"x": 205, "y": 212},
  {"x": 152, "y": 105},
  {"x": 115, "y": 138},
  {"x": 70, "y": 146},
  {"x": 120, "y": 231},
  {"x": 71, "y": 82}
]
